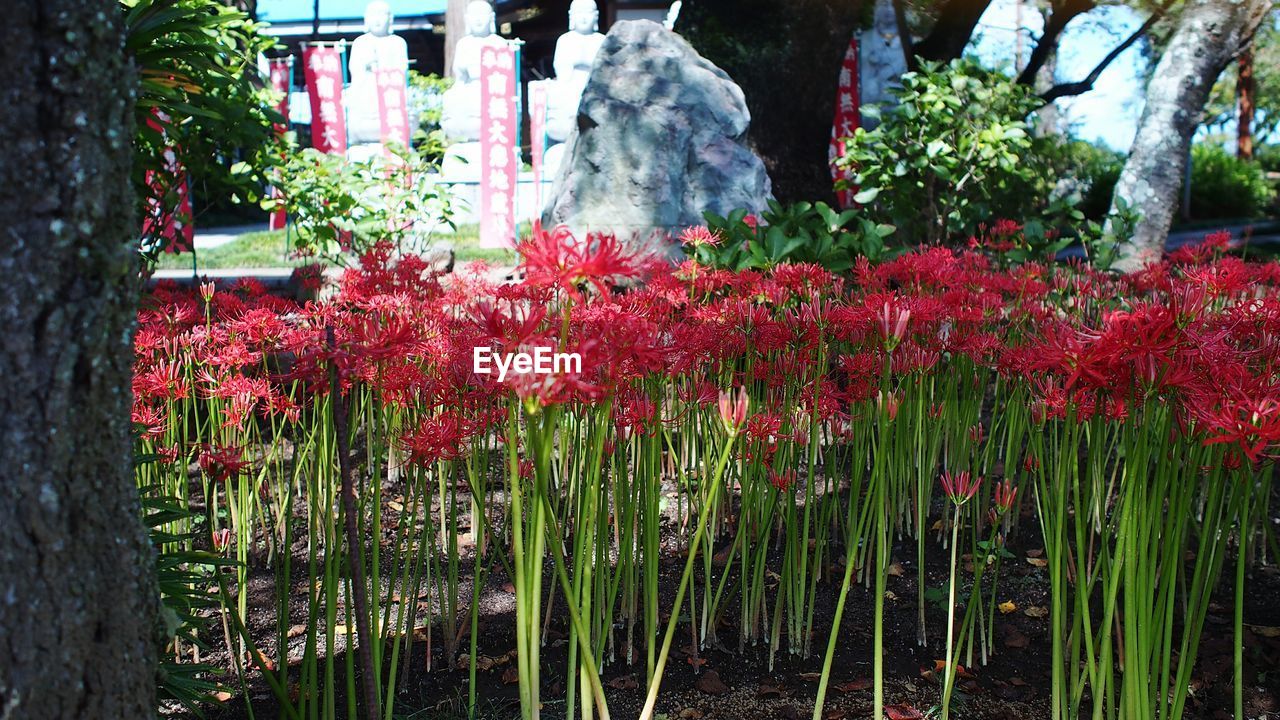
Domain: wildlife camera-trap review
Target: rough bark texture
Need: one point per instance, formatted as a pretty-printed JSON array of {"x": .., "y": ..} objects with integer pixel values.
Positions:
[
  {"x": 1246, "y": 106},
  {"x": 1208, "y": 35},
  {"x": 76, "y": 596},
  {"x": 455, "y": 27}
]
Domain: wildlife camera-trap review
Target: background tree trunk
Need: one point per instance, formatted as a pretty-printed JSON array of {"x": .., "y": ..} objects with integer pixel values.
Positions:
[
  {"x": 455, "y": 26},
  {"x": 77, "y": 601},
  {"x": 1208, "y": 35},
  {"x": 1246, "y": 105}
]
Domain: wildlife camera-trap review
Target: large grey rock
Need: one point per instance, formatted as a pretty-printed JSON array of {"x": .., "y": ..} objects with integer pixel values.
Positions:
[{"x": 660, "y": 138}]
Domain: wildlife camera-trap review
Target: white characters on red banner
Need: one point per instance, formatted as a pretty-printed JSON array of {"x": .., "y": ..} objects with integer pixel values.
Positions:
[
  {"x": 497, "y": 145},
  {"x": 847, "y": 118},
  {"x": 323, "y": 69}
]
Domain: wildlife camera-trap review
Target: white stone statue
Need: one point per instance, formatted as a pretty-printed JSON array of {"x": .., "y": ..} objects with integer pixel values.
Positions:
[
  {"x": 576, "y": 52},
  {"x": 377, "y": 49},
  {"x": 460, "y": 116},
  {"x": 673, "y": 13}
]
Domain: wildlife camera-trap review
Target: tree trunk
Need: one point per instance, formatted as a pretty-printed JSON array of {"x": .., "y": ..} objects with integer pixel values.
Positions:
[
  {"x": 1208, "y": 35},
  {"x": 77, "y": 599},
  {"x": 1246, "y": 105},
  {"x": 454, "y": 28}
]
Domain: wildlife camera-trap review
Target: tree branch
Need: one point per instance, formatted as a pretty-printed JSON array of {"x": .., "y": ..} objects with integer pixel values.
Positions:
[
  {"x": 1085, "y": 85},
  {"x": 951, "y": 33},
  {"x": 1063, "y": 12}
]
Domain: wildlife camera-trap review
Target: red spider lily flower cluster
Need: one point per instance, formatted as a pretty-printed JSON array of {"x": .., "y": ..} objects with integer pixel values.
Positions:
[{"x": 1197, "y": 334}]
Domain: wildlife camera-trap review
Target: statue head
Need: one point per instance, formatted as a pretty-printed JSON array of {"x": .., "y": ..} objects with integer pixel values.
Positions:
[
  {"x": 479, "y": 18},
  {"x": 584, "y": 17},
  {"x": 378, "y": 18}
]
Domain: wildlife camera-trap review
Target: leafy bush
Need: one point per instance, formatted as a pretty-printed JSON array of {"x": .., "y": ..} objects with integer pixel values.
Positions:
[
  {"x": 1090, "y": 172},
  {"x": 341, "y": 208},
  {"x": 199, "y": 102},
  {"x": 1224, "y": 186},
  {"x": 954, "y": 152},
  {"x": 426, "y": 93},
  {"x": 799, "y": 233}
]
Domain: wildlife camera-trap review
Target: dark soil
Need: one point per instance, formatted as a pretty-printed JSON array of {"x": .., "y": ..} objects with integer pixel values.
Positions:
[{"x": 723, "y": 682}]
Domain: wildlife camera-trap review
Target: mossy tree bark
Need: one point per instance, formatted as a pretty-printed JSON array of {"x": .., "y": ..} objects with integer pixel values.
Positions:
[
  {"x": 77, "y": 601},
  {"x": 1208, "y": 35}
]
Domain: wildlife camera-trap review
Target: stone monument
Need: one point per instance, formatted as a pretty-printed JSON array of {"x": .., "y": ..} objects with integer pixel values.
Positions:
[
  {"x": 576, "y": 51},
  {"x": 660, "y": 138},
  {"x": 377, "y": 49},
  {"x": 460, "y": 111}
]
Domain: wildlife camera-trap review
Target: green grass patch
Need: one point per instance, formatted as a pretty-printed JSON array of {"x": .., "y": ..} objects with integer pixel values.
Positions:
[{"x": 272, "y": 249}]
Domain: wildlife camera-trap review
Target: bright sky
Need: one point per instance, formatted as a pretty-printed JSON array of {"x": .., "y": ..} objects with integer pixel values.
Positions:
[{"x": 1109, "y": 113}]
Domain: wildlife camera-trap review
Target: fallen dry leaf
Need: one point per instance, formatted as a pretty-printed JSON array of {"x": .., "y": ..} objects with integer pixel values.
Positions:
[
  {"x": 855, "y": 685},
  {"x": 1035, "y": 611},
  {"x": 510, "y": 676},
  {"x": 1007, "y": 607},
  {"x": 1038, "y": 562},
  {"x": 690, "y": 714},
  {"x": 1035, "y": 553},
  {"x": 770, "y": 688},
  {"x": 895, "y": 570},
  {"x": 811, "y": 676},
  {"x": 710, "y": 683},
  {"x": 1269, "y": 632},
  {"x": 626, "y": 682},
  {"x": 902, "y": 712}
]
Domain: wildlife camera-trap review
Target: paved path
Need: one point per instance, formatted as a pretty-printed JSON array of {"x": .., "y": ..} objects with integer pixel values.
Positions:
[{"x": 213, "y": 237}]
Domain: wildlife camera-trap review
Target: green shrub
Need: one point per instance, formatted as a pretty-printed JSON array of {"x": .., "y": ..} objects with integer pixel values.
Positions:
[
  {"x": 1224, "y": 186},
  {"x": 1091, "y": 171},
  {"x": 799, "y": 233},
  {"x": 956, "y": 151}
]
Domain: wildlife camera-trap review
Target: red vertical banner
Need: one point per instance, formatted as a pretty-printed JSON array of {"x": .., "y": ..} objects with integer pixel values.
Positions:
[
  {"x": 497, "y": 146},
  {"x": 323, "y": 69},
  {"x": 847, "y": 117},
  {"x": 393, "y": 106},
  {"x": 538, "y": 136},
  {"x": 169, "y": 219},
  {"x": 281, "y": 70}
]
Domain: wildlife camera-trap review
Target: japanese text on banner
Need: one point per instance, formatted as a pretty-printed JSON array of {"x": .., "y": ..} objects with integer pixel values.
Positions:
[
  {"x": 498, "y": 164},
  {"x": 847, "y": 118},
  {"x": 323, "y": 70}
]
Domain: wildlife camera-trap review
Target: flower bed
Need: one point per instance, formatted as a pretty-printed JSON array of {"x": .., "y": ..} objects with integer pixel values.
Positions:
[{"x": 797, "y": 414}]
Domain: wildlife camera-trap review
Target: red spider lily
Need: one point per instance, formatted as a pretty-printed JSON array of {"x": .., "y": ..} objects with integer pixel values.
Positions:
[
  {"x": 152, "y": 424},
  {"x": 206, "y": 291},
  {"x": 893, "y": 325},
  {"x": 733, "y": 410},
  {"x": 1004, "y": 497},
  {"x": 221, "y": 540},
  {"x": 223, "y": 463},
  {"x": 557, "y": 259},
  {"x": 434, "y": 439},
  {"x": 889, "y": 404},
  {"x": 783, "y": 481},
  {"x": 699, "y": 236},
  {"x": 961, "y": 487}
]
